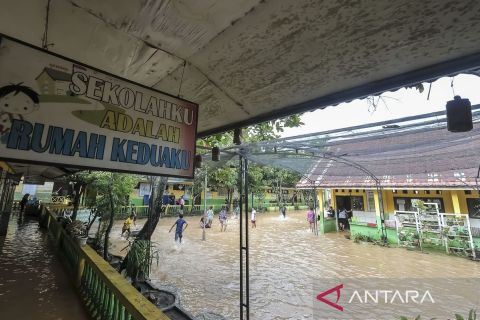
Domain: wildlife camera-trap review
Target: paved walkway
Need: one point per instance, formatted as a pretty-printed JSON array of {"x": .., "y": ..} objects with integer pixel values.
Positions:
[{"x": 33, "y": 283}]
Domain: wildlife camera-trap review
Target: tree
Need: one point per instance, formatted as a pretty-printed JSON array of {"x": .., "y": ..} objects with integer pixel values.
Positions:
[
  {"x": 226, "y": 176},
  {"x": 113, "y": 189},
  {"x": 256, "y": 182},
  {"x": 198, "y": 186},
  {"x": 80, "y": 181},
  {"x": 260, "y": 132},
  {"x": 139, "y": 256},
  {"x": 279, "y": 178},
  {"x": 155, "y": 207}
]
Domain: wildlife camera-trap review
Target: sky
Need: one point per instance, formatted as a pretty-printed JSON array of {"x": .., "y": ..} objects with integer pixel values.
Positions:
[{"x": 399, "y": 104}]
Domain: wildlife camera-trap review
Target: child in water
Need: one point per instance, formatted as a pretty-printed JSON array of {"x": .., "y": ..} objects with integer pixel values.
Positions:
[
  {"x": 127, "y": 224},
  {"x": 254, "y": 218},
  {"x": 179, "y": 230},
  {"x": 222, "y": 217},
  {"x": 311, "y": 219}
]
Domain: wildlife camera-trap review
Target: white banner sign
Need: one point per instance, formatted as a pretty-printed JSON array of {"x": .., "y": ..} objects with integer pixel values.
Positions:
[{"x": 57, "y": 111}]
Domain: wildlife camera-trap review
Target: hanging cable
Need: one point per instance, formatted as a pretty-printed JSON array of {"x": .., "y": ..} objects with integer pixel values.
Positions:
[
  {"x": 477, "y": 177},
  {"x": 429, "y": 90},
  {"x": 45, "y": 43},
  {"x": 451, "y": 85},
  {"x": 181, "y": 79}
]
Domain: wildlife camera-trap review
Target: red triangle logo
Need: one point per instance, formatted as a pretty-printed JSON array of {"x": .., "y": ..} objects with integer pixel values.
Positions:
[{"x": 335, "y": 305}]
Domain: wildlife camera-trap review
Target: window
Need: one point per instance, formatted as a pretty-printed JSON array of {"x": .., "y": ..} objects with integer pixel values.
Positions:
[
  {"x": 357, "y": 203},
  {"x": 405, "y": 204},
  {"x": 473, "y": 208},
  {"x": 350, "y": 203},
  {"x": 370, "y": 201}
]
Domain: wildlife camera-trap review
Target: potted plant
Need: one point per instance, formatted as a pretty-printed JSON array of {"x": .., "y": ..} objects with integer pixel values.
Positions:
[
  {"x": 78, "y": 230},
  {"x": 419, "y": 204}
]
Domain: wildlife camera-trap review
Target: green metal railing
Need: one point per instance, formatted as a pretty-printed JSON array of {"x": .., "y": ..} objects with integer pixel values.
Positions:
[
  {"x": 106, "y": 294},
  {"x": 174, "y": 210}
]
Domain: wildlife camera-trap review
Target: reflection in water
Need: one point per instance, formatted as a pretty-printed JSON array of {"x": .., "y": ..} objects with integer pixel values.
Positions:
[
  {"x": 33, "y": 284},
  {"x": 285, "y": 260}
]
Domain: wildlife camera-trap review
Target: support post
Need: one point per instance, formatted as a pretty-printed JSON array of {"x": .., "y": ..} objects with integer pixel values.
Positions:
[
  {"x": 455, "y": 201},
  {"x": 204, "y": 236},
  {"x": 321, "y": 211},
  {"x": 315, "y": 209},
  {"x": 334, "y": 198},
  {"x": 380, "y": 212},
  {"x": 242, "y": 213},
  {"x": 244, "y": 258}
]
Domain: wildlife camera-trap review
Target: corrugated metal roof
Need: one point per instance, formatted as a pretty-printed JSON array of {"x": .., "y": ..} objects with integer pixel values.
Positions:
[{"x": 409, "y": 152}]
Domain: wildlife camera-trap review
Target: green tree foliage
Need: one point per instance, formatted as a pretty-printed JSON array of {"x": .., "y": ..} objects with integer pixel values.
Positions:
[
  {"x": 80, "y": 181},
  {"x": 227, "y": 178},
  {"x": 271, "y": 129},
  {"x": 260, "y": 132},
  {"x": 278, "y": 179},
  {"x": 259, "y": 176},
  {"x": 112, "y": 194},
  {"x": 139, "y": 257},
  {"x": 156, "y": 207}
]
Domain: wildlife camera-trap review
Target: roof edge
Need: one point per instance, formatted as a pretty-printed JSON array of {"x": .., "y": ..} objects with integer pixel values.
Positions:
[{"x": 425, "y": 74}]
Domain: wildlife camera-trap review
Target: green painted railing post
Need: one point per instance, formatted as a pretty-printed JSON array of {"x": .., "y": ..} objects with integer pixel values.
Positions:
[
  {"x": 58, "y": 237},
  {"x": 122, "y": 313},
  {"x": 48, "y": 220},
  {"x": 111, "y": 306},
  {"x": 104, "y": 291},
  {"x": 80, "y": 270}
]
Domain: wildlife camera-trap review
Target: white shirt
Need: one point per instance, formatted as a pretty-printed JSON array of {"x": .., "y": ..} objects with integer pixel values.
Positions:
[
  {"x": 342, "y": 214},
  {"x": 253, "y": 214}
]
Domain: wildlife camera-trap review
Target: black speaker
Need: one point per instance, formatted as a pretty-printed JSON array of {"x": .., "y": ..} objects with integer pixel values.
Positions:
[
  {"x": 459, "y": 115},
  {"x": 215, "y": 154},
  {"x": 198, "y": 161},
  {"x": 236, "y": 136}
]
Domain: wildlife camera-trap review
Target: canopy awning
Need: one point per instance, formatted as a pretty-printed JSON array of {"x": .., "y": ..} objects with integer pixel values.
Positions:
[{"x": 246, "y": 61}]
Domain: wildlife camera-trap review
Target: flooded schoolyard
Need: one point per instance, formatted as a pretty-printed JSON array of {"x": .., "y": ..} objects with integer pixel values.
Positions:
[{"x": 286, "y": 262}]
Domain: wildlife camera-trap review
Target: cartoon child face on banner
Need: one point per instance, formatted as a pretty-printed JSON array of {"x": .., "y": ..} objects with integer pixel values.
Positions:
[{"x": 16, "y": 100}]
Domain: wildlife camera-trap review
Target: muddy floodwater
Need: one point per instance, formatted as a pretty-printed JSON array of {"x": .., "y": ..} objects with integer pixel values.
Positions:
[
  {"x": 286, "y": 260},
  {"x": 33, "y": 283}
]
